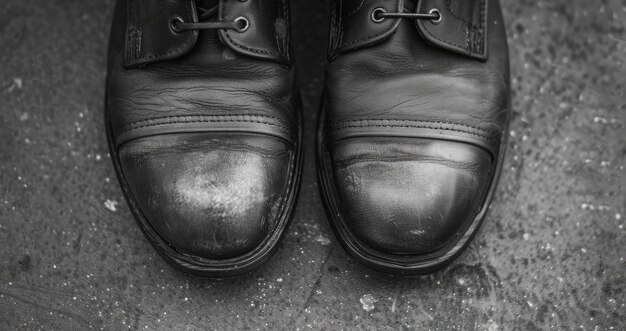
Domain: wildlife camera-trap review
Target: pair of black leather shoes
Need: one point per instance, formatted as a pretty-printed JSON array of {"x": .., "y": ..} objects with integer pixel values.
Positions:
[{"x": 205, "y": 131}]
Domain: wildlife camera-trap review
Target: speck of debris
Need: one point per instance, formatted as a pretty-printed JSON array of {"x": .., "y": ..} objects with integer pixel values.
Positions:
[
  {"x": 111, "y": 205},
  {"x": 322, "y": 240},
  {"x": 17, "y": 84},
  {"x": 368, "y": 301}
]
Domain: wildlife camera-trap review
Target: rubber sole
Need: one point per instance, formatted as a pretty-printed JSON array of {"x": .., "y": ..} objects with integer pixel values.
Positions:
[
  {"x": 410, "y": 265},
  {"x": 219, "y": 268}
]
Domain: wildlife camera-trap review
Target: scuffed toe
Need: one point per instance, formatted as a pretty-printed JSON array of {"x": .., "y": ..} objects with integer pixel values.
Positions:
[
  {"x": 209, "y": 195},
  {"x": 409, "y": 196}
]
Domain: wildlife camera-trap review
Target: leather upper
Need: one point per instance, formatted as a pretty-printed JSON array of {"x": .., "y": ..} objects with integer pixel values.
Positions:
[
  {"x": 211, "y": 87},
  {"x": 204, "y": 122},
  {"x": 421, "y": 89},
  {"x": 415, "y": 112}
]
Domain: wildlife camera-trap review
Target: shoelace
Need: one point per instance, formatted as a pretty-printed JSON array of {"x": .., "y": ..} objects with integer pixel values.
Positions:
[
  {"x": 240, "y": 24},
  {"x": 380, "y": 14}
]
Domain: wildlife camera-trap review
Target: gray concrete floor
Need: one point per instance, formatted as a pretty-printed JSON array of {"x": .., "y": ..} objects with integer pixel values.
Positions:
[{"x": 550, "y": 254}]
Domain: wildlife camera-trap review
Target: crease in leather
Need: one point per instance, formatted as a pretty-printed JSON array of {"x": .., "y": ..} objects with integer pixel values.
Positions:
[
  {"x": 258, "y": 124},
  {"x": 462, "y": 31},
  {"x": 149, "y": 38}
]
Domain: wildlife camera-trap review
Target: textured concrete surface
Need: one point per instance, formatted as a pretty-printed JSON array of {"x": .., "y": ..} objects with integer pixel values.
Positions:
[{"x": 550, "y": 254}]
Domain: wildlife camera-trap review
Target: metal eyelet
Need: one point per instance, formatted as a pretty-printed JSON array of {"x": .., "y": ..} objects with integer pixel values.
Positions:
[
  {"x": 245, "y": 24},
  {"x": 174, "y": 20},
  {"x": 375, "y": 14},
  {"x": 436, "y": 11}
]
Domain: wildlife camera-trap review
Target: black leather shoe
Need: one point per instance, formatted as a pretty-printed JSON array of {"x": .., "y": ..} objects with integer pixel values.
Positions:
[
  {"x": 413, "y": 127},
  {"x": 204, "y": 128}
]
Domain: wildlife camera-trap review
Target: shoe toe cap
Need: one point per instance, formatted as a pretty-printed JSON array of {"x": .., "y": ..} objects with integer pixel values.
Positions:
[
  {"x": 213, "y": 196},
  {"x": 409, "y": 196}
]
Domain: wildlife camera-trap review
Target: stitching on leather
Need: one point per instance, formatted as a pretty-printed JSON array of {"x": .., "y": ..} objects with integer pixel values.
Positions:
[
  {"x": 138, "y": 33},
  {"x": 285, "y": 43},
  {"x": 412, "y": 121},
  {"x": 362, "y": 39},
  {"x": 236, "y": 44},
  {"x": 262, "y": 51},
  {"x": 207, "y": 119},
  {"x": 128, "y": 47},
  {"x": 418, "y": 124},
  {"x": 483, "y": 22}
]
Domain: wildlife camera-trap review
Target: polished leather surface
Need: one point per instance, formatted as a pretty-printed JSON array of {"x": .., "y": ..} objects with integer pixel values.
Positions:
[
  {"x": 207, "y": 141},
  {"x": 221, "y": 193},
  {"x": 413, "y": 129},
  {"x": 409, "y": 195}
]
